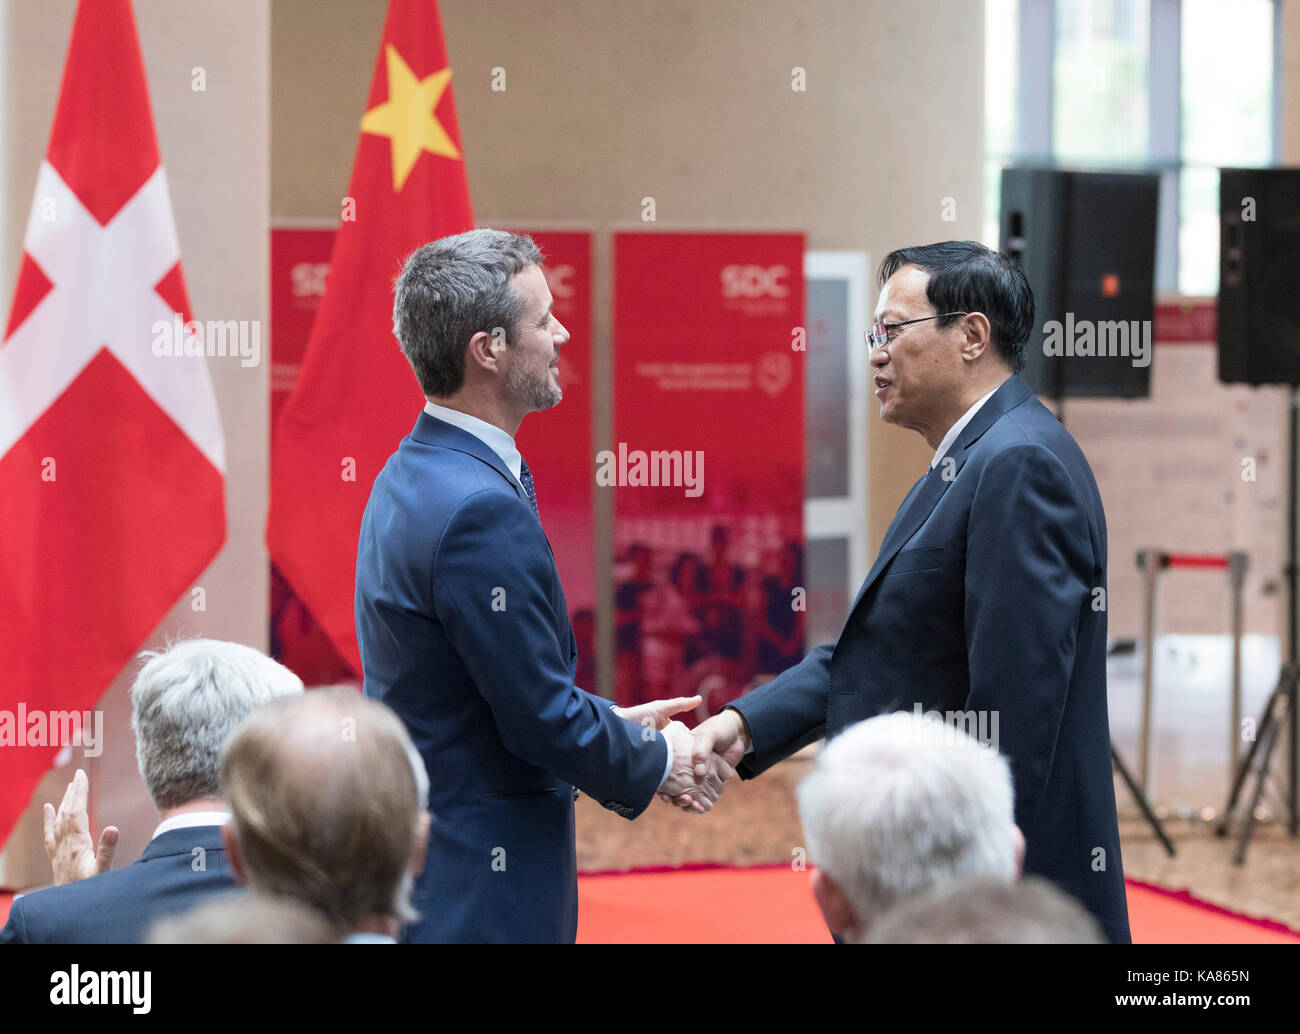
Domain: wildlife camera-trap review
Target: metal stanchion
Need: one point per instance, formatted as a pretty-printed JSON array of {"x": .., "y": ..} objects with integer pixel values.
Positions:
[
  {"x": 1148, "y": 561},
  {"x": 1237, "y": 564},
  {"x": 1153, "y": 563}
]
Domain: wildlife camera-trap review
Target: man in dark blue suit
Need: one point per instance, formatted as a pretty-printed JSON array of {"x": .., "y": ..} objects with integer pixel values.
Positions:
[
  {"x": 462, "y": 621},
  {"x": 184, "y": 702},
  {"x": 987, "y": 600}
]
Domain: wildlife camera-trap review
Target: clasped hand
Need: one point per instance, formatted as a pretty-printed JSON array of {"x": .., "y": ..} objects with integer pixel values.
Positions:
[{"x": 703, "y": 760}]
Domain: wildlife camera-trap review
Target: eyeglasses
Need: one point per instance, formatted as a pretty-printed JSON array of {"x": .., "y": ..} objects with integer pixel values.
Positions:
[{"x": 878, "y": 335}]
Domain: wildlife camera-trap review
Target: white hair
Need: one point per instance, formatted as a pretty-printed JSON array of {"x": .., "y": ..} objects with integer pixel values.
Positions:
[
  {"x": 902, "y": 803},
  {"x": 989, "y": 911},
  {"x": 186, "y": 701}
]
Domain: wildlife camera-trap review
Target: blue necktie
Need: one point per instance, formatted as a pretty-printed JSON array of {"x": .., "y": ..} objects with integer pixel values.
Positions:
[{"x": 526, "y": 479}]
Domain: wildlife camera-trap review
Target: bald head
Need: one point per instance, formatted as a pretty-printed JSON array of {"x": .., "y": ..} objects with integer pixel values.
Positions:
[{"x": 328, "y": 803}]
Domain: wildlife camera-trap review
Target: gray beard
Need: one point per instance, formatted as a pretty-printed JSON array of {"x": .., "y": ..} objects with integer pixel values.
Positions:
[{"x": 536, "y": 393}]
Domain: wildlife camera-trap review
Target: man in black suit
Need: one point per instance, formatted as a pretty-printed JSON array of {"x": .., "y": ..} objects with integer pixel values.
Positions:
[
  {"x": 184, "y": 703},
  {"x": 986, "y": 602}
]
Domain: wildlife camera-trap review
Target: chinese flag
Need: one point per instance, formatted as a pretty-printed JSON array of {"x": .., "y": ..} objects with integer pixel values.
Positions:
[
  {"x": 112, "y": 486},
  {"x": 356, "y": 396}
]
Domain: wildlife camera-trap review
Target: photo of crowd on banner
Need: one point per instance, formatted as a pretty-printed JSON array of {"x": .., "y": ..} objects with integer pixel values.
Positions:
[{"x": 706, "y": 607}]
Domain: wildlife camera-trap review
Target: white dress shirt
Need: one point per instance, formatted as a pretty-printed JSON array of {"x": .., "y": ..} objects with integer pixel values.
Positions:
[
  {"x": 489, "y": 434},
  {"x": 504, "y": 446},
  {"x": 367, "y": 938},
  {"x": 187, "y": 819},
  {"x": 957, "y": 428}
]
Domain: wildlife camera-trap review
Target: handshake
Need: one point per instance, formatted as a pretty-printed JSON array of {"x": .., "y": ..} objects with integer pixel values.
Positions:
[{"x": 703, "y": 760}]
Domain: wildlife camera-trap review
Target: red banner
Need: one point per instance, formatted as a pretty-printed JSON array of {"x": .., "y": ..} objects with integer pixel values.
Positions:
[
  {"x": 300, "y": 261},
  {"x": 557, "y": 443},
  {"x": 707, "y": 463},
  {"x": 1190, "y": 322}
]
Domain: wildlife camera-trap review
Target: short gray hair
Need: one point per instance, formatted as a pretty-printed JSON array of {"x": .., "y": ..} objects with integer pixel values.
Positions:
[
  {"x": 1031, "y": 911},
  {"x": 448, "y": 291},
  {"x": 184, "y": 703},
  {"x": 903, "y": 803}
]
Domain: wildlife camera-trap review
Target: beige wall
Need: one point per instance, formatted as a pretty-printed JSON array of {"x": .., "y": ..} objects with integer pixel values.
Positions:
[
  {"x": 1289, "y": 144},
  {"x": 215, "y": 148},
  {"x": 691, "y": 103},
  {"x": 607, "y": 102}
]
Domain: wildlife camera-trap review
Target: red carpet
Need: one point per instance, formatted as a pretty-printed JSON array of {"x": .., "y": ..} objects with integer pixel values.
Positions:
[
  {"x": 766, "y": 905},
  {"x": 773, "y": 905}
]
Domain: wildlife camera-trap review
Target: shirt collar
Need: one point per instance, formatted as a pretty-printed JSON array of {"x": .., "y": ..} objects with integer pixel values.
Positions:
[
  {"x": 189, "y": 819},
  {"x": 489, "y": 434},
  {"x": 957, "y": 429},
  {"x": 367, "y": 938}
]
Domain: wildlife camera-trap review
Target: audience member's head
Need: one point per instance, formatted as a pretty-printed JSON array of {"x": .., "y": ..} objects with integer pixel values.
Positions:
[
  {"x": 329, "y": 807},
  {"x": 899, "y": 805},
  {"x": 236, "y": 918},
  {"x": 989, "y": 911},
  {"x": 186, "y": 701}
]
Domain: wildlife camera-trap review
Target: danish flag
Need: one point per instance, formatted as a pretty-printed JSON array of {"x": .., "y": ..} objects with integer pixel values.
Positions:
[{"x": 112, "y": 459}]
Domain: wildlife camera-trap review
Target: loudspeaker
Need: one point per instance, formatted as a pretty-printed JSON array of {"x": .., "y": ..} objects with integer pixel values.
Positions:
[
  {"x": 1087, "y": 243},
  {"x": 1259, "y": 276}
]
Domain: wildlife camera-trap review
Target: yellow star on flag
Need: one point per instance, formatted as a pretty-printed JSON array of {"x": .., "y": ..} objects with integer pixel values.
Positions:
[{"x": 407, "y": 117}]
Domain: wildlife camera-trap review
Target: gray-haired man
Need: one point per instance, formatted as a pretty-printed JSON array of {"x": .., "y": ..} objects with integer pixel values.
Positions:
[
  {"x": 899, "y": 805},
  {"x": 184, "y": 703}
]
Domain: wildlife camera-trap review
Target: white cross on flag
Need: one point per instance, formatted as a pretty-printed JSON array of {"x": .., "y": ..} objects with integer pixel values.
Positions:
[{"x": 112, "y": 460}]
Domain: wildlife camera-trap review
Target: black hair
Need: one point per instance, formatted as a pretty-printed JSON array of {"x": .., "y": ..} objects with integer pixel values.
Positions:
[{"x": 965, "y": 276}]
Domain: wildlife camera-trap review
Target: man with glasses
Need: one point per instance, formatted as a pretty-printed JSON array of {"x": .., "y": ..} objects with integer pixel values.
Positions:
[{"x": 986, "y": 602}]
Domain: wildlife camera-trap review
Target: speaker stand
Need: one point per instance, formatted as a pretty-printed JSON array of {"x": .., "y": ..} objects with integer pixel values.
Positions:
[
  {"x": 1281, "y": 707},
  {"x": 1118, "y": 764}
]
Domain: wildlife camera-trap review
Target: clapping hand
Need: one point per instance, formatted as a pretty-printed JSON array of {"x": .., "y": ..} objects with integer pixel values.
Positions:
[{"x": 68, "y": 842}]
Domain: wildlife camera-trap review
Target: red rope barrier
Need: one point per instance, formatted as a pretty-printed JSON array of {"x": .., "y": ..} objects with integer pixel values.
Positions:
[{"x": 1193, "y": 560}]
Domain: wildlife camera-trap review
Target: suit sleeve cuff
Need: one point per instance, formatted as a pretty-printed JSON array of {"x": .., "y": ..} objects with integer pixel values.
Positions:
[{"x": 668, "y": 765}]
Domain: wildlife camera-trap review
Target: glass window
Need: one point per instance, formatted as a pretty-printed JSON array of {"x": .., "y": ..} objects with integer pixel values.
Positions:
[
  {"x": 1099, "y": 75},
  {"x": 1227, "y": 120},
  {"x": 1001, "y": 78},
  {"x": 1099, "y": 82}
]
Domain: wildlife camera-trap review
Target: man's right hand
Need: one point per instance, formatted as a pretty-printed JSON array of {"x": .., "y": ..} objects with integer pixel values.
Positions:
[
  {"x": 726, "y": 735},
  {"x": 68, "y": 841},
  {"x": 689, "y": 791}
]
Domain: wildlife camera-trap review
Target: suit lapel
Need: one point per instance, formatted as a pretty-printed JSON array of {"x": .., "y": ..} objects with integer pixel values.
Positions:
[
  {"x": 432, "y": 431},
  {"x": 916, "y": 507},
  {"x": 926, "y": 493},
  {"x": 1013, "y": 391}
]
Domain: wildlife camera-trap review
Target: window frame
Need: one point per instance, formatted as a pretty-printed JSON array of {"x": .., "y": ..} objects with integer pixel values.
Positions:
[{"x": 1036, "y": 58}]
